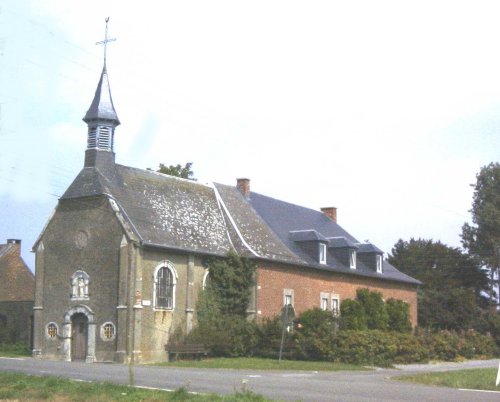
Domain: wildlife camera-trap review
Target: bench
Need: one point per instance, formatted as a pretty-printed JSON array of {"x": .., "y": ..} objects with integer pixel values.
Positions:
[{"x": 191, "y": 349}]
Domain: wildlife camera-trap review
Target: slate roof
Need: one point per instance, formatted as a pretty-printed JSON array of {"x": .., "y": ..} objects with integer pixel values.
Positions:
[
  {"x": 102, "y": 107},
  {"x": 169, "y": 212},
  {"x": 17, "y": 282}
]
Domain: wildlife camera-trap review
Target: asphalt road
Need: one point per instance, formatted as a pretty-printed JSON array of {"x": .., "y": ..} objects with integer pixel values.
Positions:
[{"x": 280, "y": 385}]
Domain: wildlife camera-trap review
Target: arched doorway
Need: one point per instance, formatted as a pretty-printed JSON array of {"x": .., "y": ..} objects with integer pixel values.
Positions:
[
  {"x": 79, "y": 336},
  {"x": 78, "y": 332}
]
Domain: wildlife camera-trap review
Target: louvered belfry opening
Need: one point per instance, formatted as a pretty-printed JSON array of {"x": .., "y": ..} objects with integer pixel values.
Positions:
[{"x": 100, "y": 137}]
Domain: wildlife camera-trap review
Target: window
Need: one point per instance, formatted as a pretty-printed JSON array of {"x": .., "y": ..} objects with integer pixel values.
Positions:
[
  {"x": 288, "y": 297},
  {"x": 164, "y": 289},
  {"x": 324, "y": 303},
  {"x": 336, "y": 305},
  {"x": 108, "y": 331},
  {"x": 379, "y": 263},
  {"x": 322, "y": 253},
  {"x": 352, "y": 259},
  {"x": 80, "y": 286},
  {"x": 52, "y": 330},
  {"x": 206, "y": 280}
]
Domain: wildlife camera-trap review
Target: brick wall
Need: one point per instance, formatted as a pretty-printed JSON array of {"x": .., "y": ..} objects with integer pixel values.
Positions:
[{"x": 308, "y": 285}]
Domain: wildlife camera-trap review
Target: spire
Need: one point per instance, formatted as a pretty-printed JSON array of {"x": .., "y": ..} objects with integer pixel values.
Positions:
[{"x": 101, "y": 118}]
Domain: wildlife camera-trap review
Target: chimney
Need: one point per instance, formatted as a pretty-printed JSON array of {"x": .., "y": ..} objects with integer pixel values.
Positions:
[
  {"x": 243, "y": 185},
  {"x": 331, "y": 212},
  {"x": 17, "y": 244}
]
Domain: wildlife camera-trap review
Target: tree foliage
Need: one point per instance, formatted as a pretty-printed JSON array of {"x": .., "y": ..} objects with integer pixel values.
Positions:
[
  {"x": 398, "y": 315},
  {"x": 482, "y": 238},
  {"x": 439, "y": 266},
  {"x": 178, "y": 170},
  {"x": 230, "y": 283},
  {"x": 373, "y": 305}
]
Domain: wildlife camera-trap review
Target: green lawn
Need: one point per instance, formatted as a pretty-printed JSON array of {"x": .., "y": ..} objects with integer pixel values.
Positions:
[
  {"x": 21, "y": 387},
  {"x": 253, "y": 363},
  {"x": 471, "y": 379}
]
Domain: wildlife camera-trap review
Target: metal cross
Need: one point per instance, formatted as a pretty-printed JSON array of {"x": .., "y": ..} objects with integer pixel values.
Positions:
[{"x": 106, "y": 40}]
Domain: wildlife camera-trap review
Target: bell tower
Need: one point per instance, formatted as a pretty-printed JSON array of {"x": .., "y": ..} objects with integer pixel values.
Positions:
[{"x": 101, "y": 119}]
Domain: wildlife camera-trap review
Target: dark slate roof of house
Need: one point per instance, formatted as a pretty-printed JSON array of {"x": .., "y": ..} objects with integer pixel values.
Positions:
[
  {"x": 166, "y": 211},
  {"x": 17, "y": 282}
]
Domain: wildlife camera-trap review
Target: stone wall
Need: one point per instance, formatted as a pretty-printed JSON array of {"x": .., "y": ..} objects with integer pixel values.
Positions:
[{"x": 16, "y": 322}]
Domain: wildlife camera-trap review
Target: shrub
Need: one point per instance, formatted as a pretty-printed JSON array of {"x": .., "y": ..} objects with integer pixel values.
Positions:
[
  {"x": 315, "y": 336},
  {"x": 352, "y": 316},
  {"x": 374, "y": 306},
  {"x": 398, "y": 315}
]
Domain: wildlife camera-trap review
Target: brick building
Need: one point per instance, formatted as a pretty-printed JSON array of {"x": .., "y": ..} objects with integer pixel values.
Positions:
[
  {"x": 120, "y": 263},
  {"x": 17, "y": 292}
]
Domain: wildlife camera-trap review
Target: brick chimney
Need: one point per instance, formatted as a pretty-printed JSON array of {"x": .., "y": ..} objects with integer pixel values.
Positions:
[
  {"x": 331, "y": 212},
  {"x": 16, "y": 243},
  {"x": 243, "y": 185}
]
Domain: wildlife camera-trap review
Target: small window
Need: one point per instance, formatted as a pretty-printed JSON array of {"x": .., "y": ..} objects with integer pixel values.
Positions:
[
  {"x": 288, "y": 297},
  {"x": 379, "y": 263},
  {"x": 108, "y": 331},
  {"x": 324, "y": 303},
  {"x": 335, "y": 306},
  {"x": 352, "y": 259},
  {"x": 322, "y": 253},
  {"x": 52, "y": 330}
]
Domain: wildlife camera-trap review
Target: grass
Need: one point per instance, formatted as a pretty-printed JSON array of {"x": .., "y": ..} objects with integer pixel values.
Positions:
[
  {"x": 21, "y": 387},
  {"x": 14, "y": 350},
  {"x": 483, "y": 379},
  {"x": 254, "y": 363}
]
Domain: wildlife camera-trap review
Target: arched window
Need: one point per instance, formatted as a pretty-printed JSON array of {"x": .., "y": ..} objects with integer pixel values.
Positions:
[
  {"x": 164, "y": 289},
  {"x": 206, "y": 279},
  {"x": 80, "y": 286}
]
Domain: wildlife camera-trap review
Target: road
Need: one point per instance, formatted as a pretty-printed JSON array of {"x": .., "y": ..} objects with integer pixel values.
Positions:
[{"x": 280, "y": 385}]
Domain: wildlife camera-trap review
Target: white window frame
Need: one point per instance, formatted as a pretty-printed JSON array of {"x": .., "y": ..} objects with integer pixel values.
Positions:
[
  {"x": 379, "y": 263},
  {"x": 168, "y": 265},
  {"x": 322, "y": 253},
  {"x": 352, "y": 259},
  {"x": 205, "y": 279},
  {"x": 336, "y": 305},
  {"x": 288, "y": 296}
]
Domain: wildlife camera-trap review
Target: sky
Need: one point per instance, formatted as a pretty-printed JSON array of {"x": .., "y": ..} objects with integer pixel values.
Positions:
[{"x": 386, "y": 110}]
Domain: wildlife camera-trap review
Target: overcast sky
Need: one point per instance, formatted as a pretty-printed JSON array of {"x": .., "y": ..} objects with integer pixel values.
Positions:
[{"x": 384, "y": 109}]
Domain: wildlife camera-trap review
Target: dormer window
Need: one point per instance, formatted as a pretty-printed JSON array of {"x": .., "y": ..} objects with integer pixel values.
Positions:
[
  {"x": 352, "y": 259},
  {"x": 322, "y": 253},
  {"x": 379, "y": 263}
]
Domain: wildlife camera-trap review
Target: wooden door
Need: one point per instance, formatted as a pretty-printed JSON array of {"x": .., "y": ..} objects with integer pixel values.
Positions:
[{"x": 79, "y": 336}]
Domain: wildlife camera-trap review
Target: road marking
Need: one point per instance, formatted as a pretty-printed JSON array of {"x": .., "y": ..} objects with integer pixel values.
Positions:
[
  {"x": 255, "y": 376},
  {"x": 12, "y": 358},
  {"x": 479, "y": 390},
  {"x": 79, "y": 380}
]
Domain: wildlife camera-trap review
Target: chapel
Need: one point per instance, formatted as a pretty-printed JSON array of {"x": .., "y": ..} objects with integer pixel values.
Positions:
[{"x": 120, "y": 262}]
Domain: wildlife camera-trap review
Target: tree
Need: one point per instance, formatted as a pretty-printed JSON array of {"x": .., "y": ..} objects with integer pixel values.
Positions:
[
  {"x": 398, "y": 313},
  {"x": 230, "y": 283},
  {"x": 178, "y": 170},
  {"x": 374, "y": 307},
  {"x": 453, "y": 282},
  {"x": 482, "y": 239},
  {"x": 439, "y": 266}
]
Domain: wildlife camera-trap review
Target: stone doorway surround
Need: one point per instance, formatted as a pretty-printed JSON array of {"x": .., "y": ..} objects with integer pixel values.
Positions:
[{"x": 67, "y": 331}]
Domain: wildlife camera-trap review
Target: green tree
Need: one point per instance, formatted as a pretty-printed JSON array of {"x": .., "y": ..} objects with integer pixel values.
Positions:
[
  {"x": 439, "y": 266},
  {"x": 482, "y": 238},
  {"x": 230, "y": 283},
  {"x": 178, "y": 170}
]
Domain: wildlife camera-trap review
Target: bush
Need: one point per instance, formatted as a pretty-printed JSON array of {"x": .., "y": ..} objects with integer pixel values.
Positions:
[
  {"x": 352, "y": 316},
  {"x": 374, "y": 306},
  {"x": 315, "y": 336},
  {"x": 398, "y": 315}
]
